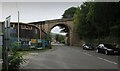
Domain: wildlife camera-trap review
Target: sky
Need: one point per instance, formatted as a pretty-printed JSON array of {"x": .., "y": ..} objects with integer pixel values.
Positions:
[
  {"x": 57, "y": 30},
  {"x": 36, "y": 11}
]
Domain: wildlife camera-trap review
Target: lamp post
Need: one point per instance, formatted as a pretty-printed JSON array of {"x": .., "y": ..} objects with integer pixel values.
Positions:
[{"x": 18, "y": 29}]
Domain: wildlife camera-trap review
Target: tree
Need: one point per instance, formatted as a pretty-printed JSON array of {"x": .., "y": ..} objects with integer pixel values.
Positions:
[
  {"x": 69, "y": 13},
  {"x": 82, "y": 19},
  {"x": 76, "y": 20},
  {"x": 98, "y": 20},
  {"x": 106, "y": 15},
  {"x": 59, "y": 38}
]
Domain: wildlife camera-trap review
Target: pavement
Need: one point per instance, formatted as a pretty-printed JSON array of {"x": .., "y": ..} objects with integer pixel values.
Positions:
[{"x": 70, "y": 57}]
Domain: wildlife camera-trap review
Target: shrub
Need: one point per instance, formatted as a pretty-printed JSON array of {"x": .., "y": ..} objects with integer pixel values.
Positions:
[{"x": 15, "y": 58}]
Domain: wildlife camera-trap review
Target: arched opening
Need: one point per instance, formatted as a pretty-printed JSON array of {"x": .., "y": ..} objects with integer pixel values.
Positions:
[{"x": 60, "y": 34}]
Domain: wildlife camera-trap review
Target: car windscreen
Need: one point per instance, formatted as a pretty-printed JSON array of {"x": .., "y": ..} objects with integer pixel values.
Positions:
[{"x": 88, "y": 44}]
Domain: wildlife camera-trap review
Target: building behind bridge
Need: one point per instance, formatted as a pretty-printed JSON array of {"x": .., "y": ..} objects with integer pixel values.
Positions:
[{"x": 27, "y": 33}]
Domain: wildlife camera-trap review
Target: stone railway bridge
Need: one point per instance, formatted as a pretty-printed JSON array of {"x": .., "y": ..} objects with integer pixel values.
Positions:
[{"x": 72, "y": 38}]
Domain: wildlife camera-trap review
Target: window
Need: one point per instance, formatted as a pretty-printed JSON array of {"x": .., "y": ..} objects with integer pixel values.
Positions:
[
  {"x": 30, "y": 27},
  {"x": 23, "y": 26},
  {"x": 26, "y": 27},
  {"x": 36, "y": 31},
  {"x": 12, "y": 26}
]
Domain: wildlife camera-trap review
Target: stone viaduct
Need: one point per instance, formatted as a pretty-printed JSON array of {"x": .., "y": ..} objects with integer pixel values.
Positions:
[{"x": 47, "y": 25}]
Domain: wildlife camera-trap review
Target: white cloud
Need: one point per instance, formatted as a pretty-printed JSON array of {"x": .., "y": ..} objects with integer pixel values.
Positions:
[{"x": 56, "y": 30}]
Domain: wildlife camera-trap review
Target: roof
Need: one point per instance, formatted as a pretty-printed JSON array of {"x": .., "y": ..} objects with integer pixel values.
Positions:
[{"x": 25, "y": 24}]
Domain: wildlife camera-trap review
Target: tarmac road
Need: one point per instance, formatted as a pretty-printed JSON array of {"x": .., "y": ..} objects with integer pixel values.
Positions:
[{"x": 70, "y": 57}]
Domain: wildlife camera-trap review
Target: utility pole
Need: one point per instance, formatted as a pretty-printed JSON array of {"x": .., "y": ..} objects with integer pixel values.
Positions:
[{"x": 18, "y": 29}]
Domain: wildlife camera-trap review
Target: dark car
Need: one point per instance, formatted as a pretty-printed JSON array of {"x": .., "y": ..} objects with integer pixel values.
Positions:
[
  {"x": 88, "y": 47},
  {"x": 107, "y": 49}
]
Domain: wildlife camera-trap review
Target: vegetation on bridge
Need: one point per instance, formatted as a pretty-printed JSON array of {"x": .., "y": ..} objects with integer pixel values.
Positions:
[{"x": 69, "y": 13}]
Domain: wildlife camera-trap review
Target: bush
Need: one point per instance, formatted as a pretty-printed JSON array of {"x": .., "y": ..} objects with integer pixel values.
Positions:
[{"x": 15, "y": 58}]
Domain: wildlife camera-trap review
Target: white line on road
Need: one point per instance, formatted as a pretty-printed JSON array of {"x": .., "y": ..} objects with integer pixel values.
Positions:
[
  {"x": 87, "y": 54},
  {"x": 107, "y": 60},
  {"x": 1, "y": 61}
]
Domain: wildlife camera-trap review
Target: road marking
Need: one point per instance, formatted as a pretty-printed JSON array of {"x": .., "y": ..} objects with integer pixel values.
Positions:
[
  {"x": 107, "y": 60},
  {"x": 1, "y": 61},
  {"x": 87, "y": 54}
]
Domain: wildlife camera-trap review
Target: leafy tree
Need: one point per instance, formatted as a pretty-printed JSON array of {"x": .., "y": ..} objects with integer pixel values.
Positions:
[
  {"x": 69, "y": 13},
  {"x": 16, "y": 58},
  {"x": 77, "y": 20},
  {"x": 98, "y": 20},
  {"x": 82, "y": 19},
  {"x": 106, "y": 16},
  {"x": 59, "y": 38}
]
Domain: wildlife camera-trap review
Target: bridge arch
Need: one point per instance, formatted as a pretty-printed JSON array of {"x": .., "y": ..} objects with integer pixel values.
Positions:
[
  {"x": 63, "y": 24},
  {"x": 67, "y": 29},
  {"x": 47, "y": 25}
]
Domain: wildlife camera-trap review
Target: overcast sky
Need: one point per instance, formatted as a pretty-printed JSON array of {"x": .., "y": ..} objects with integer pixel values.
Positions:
[{"x": 36, "y": 11}]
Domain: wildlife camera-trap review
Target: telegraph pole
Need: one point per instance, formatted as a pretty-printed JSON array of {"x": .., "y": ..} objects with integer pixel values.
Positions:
[{"x": 18, "y": 29}]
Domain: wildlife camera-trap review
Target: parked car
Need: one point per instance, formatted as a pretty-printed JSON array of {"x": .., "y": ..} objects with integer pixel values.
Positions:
[
  {"x": 107, "y": 49},
  {"x": 88, "y": 47}
]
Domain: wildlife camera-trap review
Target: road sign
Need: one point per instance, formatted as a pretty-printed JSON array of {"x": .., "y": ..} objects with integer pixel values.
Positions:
[
  {"x": 6, "y": 43},
  {"x": 7, "y": 22}
]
